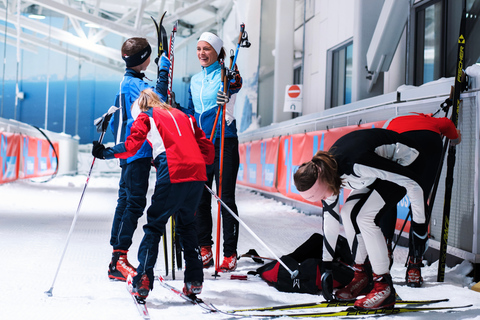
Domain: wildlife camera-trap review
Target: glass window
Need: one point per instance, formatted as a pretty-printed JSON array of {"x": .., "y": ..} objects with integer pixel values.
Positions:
[
  {"x": 437, "y": 25},
  {"x": 433, "y": 41},
  {"x": 341, "y": 86}
]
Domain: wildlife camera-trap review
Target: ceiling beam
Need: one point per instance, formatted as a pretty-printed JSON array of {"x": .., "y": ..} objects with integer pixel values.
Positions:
[
  {"x": 113, "y": 27},
  {"x": 65, "y": 36}
]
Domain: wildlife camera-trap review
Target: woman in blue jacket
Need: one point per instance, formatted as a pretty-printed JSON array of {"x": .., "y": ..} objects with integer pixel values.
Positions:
[{"x": 206, "y": 95}]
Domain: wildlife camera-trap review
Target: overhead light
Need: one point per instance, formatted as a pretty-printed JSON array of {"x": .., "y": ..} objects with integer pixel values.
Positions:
[
  {"x": 34, "y": 12},
  {"x": 92, "y": 25},
  {"x": 36, "y": 16}
]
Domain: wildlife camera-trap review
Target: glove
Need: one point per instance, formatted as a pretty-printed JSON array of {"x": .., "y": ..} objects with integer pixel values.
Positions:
[
  {"x": 97, "y": 150},
  {"x": 163, "y": 63},
  {"x": 327, "y": 281},
  {"x": 222, "y": 98},
  {"x": 236, "y": 82}
]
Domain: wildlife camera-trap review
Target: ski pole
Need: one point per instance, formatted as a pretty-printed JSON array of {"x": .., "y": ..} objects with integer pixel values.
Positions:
[
  {"x": 220, "y": 176},
  {"x": 451, "y": 153},
  {"x": 293, "y": 274},
  {"x": 101, "y": 124}
]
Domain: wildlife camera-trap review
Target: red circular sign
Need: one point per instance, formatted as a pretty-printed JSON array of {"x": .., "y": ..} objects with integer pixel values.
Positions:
[{"x": 293, "y": 91}]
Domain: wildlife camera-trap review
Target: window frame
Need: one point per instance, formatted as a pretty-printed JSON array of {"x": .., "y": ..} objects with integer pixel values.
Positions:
[{"x": 332, "y": 75}]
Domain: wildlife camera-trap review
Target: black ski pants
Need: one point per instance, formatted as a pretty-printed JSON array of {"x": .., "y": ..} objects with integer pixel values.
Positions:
[
  {"x": 430, "y": 146},
  {"x": 231, "y": 163},
  {"x": 182, "y": 200}
]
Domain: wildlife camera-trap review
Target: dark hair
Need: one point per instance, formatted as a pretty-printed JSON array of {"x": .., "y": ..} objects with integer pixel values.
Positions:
[
  {"x": 306, "y": 175},
  {"x": 133, "y": 45}
]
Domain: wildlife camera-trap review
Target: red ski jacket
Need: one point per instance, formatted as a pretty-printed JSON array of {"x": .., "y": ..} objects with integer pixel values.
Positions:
[
  {"x": 421, "y": 121},
  {"x": 180, "y": 149}
]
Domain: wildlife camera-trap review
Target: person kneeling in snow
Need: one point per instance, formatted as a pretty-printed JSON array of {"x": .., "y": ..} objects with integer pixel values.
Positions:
[{"x": 181, "y": 152}]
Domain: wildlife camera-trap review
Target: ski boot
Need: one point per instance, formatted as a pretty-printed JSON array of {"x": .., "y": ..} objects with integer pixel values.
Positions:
[
  {"x": 413, "y": 276},
  {"x": 119, "y": 268},
  {"x": 360, "y": 284},
  {"x": 229, "y": 263},
  {"x": 192, "y": 288},
  {"x": 207, "y": 256},
  {"x": 141, "y": 289},
  {"x": 381, "y": 296}
]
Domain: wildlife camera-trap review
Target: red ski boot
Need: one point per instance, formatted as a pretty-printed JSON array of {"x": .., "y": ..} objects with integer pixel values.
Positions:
[
  {"x": 119, "y": 268},
  {"x": 414, "y": 272},
  {"x": 229, "y": 263},
  {"x": 207, "y": 256},
  {"x": 359, "y": 285},
  {"x": 194, "y": 287},
  {"x": 381, "y": 296}
]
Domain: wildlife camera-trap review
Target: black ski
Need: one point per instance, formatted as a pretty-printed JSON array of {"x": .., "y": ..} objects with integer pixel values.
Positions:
[
  {"x": 332, "y": 304},
  {"x": 161, "y": 47},
  {"x": 162, "y": 42},
  {"x": 451, "y": 152},
  {"x": 356, "y": 312}
]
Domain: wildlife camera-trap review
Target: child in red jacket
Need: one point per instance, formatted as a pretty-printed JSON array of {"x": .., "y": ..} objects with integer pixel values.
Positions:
[{"x": 180, "y": 152}]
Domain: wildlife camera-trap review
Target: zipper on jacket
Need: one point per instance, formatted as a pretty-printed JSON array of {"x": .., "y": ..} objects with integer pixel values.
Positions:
[{"x": 201, "y": 98}]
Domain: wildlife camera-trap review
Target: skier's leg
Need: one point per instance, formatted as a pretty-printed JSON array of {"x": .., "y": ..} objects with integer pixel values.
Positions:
[
  {"x": 383, "y": 197},
  {"x": 361, "y": 282},
  {"x": 136, "y": 181},
  {"x": 231, "y": 163},
  {"x": 185, "y": 223}
]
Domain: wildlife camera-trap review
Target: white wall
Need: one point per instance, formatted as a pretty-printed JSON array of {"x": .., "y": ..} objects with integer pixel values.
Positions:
[{"x": 331, "y": 25}]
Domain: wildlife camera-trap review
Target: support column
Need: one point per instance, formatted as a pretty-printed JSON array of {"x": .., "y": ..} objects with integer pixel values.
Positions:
[
  {"x": 283, "y": 75},
  {"x": 365, "y": 21}
]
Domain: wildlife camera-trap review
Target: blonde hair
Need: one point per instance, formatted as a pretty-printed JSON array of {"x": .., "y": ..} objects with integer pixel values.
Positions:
[
  {"x": 149, "y": 99},
  {"x": 323, "y": 164}
]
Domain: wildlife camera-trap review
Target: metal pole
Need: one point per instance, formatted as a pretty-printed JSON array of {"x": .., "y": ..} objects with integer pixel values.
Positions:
[
  {"x": 49, "y": 292},
  {"x": 293, "y": 274}
]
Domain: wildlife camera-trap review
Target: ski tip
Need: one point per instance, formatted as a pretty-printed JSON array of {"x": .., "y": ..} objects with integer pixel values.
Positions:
[{"x": 163, "y": 16}]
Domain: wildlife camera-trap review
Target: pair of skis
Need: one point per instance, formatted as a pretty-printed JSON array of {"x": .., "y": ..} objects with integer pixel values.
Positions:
[
  {"x": 350, "y": 311},
  {"x": 163, "y": 45}
]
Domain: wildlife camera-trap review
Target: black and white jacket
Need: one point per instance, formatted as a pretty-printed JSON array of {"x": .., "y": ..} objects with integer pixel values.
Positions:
[{"x": 362, "y": 157}]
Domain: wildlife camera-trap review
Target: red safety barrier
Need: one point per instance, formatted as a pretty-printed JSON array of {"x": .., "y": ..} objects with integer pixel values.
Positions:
[
  {"x": 26, "y": 157},
  {"x": 9, "y": 156}
]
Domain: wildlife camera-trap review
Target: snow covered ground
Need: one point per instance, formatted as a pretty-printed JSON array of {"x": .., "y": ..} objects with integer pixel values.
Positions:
[{"x": 35, "y": 219}]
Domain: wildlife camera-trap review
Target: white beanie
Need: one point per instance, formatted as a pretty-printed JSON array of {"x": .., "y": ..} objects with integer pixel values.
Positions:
[{"x": 213, "y": 40}]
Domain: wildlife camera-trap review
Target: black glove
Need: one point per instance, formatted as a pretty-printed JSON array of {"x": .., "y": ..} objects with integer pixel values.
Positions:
[
  {"x": 97, "y": 150},
  {"x": 327, "y": 281},
  {"x": 222, "y": 98}
]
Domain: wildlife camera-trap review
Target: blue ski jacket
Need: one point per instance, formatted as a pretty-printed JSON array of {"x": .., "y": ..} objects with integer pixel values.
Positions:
[
  {"x": 130, "y": 87},
  {"x": 203, "y": 99}
]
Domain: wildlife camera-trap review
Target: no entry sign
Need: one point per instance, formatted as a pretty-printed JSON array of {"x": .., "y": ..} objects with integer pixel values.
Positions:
[
  {"x": 293, "y": 91},
  {"x": 293, "y": 98}
]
